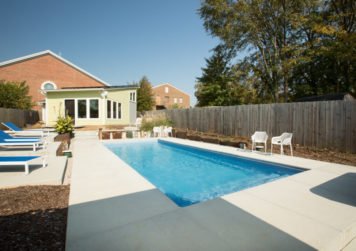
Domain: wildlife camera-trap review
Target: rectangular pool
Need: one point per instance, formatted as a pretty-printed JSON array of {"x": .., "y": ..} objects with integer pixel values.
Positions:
[{"x": 189, "y": 175}]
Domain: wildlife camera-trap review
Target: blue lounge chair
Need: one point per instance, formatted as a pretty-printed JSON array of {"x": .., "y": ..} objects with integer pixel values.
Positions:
[
  {"x": 34, "y": 145},
  {"x": 8, "y": 138},
  {"x": 19, "y": 161},
  {"x": 19, "y": 131}
]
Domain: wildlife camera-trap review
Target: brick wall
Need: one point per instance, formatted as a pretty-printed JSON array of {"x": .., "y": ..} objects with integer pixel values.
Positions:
[
  {"x": 170, "y": 98},
  {"x": 37, "y": 70}
]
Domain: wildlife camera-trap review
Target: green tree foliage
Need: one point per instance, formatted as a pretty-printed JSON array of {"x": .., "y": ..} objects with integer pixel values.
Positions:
[
  {"x": 15, "y": 95},
  {"x": 220, "y": 84},
  {"x": 145, "y": 99},
  {"x": 328, "y": 51},
  {"x": 295, "y": 48}
]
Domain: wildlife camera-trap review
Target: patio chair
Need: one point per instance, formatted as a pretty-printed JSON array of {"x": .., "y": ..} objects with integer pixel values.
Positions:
[
  {"x": 259, "y": 137},
  {"x": 19, "y": 161},
  {"x": 34, "y": 145},
  {"x": 157, "y": 130},
  {"x": 19, "y": 131},
  {"x": 138, "y": 122},
  {"x": 284, "y": 139},
  {"x": 167, "y": 131},
  {"x": 8, "y": 138}
]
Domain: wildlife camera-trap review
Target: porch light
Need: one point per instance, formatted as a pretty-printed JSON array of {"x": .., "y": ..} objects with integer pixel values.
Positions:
[{"x": 104, "y": 94}]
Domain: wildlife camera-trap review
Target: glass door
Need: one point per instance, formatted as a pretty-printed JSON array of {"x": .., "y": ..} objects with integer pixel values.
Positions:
[{"x": 69, "y": 108}]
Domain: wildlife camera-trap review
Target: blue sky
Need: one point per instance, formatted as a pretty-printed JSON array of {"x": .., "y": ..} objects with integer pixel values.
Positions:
[{"x": 118, "y": 41}]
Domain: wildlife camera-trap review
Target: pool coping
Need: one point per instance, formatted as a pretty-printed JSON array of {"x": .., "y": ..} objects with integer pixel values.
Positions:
[{"x": 297, "y": 214}]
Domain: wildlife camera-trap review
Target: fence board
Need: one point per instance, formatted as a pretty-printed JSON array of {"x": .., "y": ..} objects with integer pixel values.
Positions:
[
  {"x": 19, "y": 117},
  {"x": 330, "y": 124}
]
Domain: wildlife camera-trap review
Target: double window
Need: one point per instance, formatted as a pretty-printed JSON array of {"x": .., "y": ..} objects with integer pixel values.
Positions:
[
  {"x": 133, "y": 96},
  {"x": 88, "y": 108},
  {"x": 113, "y": 110}
]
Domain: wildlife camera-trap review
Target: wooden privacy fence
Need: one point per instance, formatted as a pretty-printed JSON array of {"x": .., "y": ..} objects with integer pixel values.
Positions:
[
  {"x": 19, "y": 117},
  {"x": 325, "y": 124}
]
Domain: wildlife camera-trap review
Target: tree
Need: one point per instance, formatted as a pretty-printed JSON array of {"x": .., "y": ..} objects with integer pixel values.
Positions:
[
  {"x": 145, "y": 98},
  {"x": 15, "y": 95},
  {"x": 328, "y": 50},
  {"x": 294, "y": 48},
  {"x": 220, "y": 84},
  {"x": 211, "y": 87},
  {"x": 265, "y": 28}
]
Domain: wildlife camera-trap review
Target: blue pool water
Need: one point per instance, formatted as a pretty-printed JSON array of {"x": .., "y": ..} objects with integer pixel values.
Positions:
[{"x": 190, "y": 175}]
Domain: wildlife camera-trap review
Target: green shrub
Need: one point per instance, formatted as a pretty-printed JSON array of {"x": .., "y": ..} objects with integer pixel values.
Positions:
[
  {"x": 64, "y": 125},
  {"x": 129, "y": 135},
  {"x": 147, "y": 125}
]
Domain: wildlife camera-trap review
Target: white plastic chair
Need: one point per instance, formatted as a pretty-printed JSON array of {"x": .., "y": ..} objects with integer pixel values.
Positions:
[
  {"x": 157, "y": 130},
  {"x": 284, "y": 139},
  {"x": 138, "y": 122},
  {"x": 259, "y": 137},
  {"x": 167, "y": 131}
]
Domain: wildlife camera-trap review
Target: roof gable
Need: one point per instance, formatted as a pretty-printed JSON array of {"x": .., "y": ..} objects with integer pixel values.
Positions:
[
  {"x": 48, "y": 52},
  {"x": 168, "y": 84}
]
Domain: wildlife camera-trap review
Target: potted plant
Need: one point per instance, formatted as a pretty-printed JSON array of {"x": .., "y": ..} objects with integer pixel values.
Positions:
[{"x": 64, "y": 127}]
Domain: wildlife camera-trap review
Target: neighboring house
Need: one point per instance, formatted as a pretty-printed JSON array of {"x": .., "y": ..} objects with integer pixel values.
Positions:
[
  {"x": 167, "y": 96},
  {"x": 51, "y": 77},
  {"x": 328, "y": 97}
]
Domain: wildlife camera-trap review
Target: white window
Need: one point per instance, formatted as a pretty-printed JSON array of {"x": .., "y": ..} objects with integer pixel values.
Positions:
[
  {"x": 175, "y": 100},
  {"x": 108, "y": 109},
  {"x": 88, "y": 108},
  {"x": 133, "y": 96},
  {"x": 82, "y": 108},
  {"x": 119, "y": 110},
  {"x": 48, "y": 85},
  {"x": 113, "y": 110},
  {"x": 180, "y": 100},
  {"x": 166, "y": 89},
  {"x": 94, "y": 108}
]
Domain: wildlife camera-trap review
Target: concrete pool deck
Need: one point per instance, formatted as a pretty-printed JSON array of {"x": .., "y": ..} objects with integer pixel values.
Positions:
[{"x": 112, "y": 207}]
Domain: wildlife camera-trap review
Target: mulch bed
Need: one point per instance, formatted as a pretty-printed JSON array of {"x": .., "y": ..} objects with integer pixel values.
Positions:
[{"x": 33, "y": 217}]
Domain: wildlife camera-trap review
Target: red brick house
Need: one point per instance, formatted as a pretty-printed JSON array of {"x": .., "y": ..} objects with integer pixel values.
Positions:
[
  {"x": 46, "y": 71},
  {"x": 167, "y": 96}
]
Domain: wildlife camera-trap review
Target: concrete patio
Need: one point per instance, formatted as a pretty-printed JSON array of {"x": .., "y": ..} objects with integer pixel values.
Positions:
[{"x": 112, "y": 207}]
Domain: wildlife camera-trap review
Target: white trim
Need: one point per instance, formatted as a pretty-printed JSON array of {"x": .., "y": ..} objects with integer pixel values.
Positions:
[
  {"x": 91, "y": 89},
  {"x": 112, "y": 110},
  {"x": 15, "y": 60},
  {"x": 48, "y": 82},
  {"x": 119, "y": 111},
  {"x": 76, "y": 89},
  {"x": 133, "y": 96},
  {"x": 171, "y": 86},
  {"x": 46, "y": 112},
  {"x": 87, "y": 100}
]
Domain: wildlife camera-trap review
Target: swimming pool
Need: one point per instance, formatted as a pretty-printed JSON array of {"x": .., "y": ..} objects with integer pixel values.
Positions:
[{"x": 189, "y": 175}]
